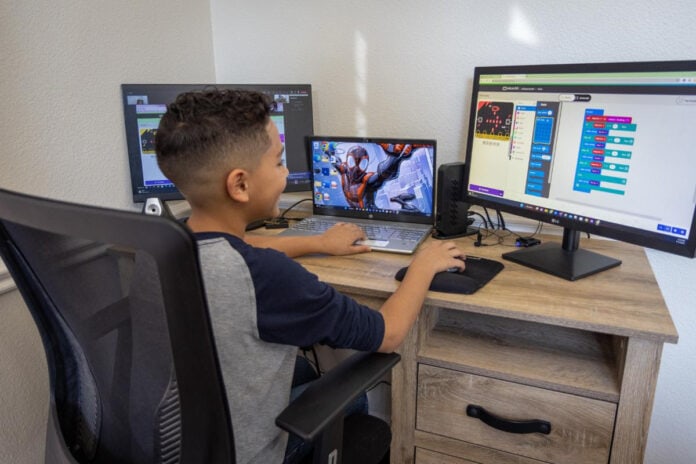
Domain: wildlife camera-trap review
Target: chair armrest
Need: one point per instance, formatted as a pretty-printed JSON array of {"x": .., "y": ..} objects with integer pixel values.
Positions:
[{"x": 327, "y": 397}]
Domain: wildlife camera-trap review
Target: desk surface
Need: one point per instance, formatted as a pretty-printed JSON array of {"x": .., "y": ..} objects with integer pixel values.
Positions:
[{"x": 623, "y": 301}]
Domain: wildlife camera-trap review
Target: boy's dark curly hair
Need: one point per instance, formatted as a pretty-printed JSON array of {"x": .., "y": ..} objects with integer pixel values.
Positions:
[{"x": 210, "y": 132}]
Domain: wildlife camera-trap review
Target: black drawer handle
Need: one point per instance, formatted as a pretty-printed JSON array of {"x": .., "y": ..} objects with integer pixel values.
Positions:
[{"x": 511, "y": 426}]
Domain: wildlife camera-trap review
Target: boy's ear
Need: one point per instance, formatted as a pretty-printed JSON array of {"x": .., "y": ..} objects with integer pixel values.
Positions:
[{"x": 237, "y": 184}]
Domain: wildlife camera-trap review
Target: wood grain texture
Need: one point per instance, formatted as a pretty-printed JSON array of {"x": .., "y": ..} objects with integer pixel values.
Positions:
[
  {"x": 424, "y": 456},
  {"x": 581, "y": 428},
  {"x": 469, "y": 452},
  {"x": 404, "y": 378},
  {"x": 556, "y": 358},
  {"x": 621, "y": 301},
  {"x": 635, "y": 405}
]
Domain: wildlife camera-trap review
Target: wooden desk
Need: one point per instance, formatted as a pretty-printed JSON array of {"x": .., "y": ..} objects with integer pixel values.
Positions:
[{"x": 582, "y": 355}]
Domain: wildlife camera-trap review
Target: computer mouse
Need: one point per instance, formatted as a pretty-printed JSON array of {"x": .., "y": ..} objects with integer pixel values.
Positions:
[{"x": 456, "y": 269}]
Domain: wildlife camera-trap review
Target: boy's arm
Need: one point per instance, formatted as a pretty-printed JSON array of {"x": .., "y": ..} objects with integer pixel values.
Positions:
[
  {"x": 338, "y": 240},
  {"x": 402, "y": 308}
]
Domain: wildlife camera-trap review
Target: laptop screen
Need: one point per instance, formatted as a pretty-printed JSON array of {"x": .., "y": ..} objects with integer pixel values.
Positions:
[{"x": 375, "y": 178}]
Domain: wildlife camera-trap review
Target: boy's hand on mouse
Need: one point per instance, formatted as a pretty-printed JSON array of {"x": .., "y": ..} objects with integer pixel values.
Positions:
[
  {"x": 340, "y": 240},
  {"x": 437, "y": 256}
]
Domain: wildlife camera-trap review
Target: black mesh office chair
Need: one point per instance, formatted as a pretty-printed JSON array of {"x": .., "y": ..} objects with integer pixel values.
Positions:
[{"x": 118, "y": 301}]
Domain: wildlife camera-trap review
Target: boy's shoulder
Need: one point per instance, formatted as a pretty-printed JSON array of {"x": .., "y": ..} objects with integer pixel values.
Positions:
[
  {"x": 207, "y": 238},
  {"x": 254, "y": 257}
]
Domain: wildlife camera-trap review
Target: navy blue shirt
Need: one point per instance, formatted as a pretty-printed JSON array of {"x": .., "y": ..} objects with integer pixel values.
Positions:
[{"x": 295, "y": 308}]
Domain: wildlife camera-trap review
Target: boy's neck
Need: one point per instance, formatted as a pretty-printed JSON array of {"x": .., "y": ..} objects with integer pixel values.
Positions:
[{"x": 199, "y": 221}]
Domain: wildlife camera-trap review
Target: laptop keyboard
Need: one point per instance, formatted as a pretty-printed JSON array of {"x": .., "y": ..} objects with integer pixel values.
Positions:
[
  {"x": 373, "y": 232},
  {"x": 313, "y": 225},
  {"x": 391, "y": 233}
]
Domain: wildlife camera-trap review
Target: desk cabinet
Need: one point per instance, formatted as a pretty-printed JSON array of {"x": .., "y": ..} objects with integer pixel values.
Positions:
[
  {"x": 582, "y": 356},
  {"x": 516, "y": 372}
]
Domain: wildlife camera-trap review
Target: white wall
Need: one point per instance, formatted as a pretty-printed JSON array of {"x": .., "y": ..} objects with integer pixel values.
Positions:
[
  {"x": 387, "y": 67},
  {"x": 62, "y": 135},
  {"x": 675, "y": 404},
  {"x": 63, "y": 63},
  {"x": 404, "y": 68},
  {"x": 23, "y": 384}
]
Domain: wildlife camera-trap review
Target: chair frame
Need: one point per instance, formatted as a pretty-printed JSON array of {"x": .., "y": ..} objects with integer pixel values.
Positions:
[
  {"x": 205, "y": 420},
  {"x": 207, "y": 433}
]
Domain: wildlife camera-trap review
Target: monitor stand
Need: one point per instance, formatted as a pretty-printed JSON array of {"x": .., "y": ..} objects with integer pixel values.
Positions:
[{"x": 567, "y": 261}]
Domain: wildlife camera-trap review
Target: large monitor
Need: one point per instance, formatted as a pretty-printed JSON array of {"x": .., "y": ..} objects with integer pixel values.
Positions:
[
  {"x": 607, "y": 149},
  {"x": 144, "y": 105}
]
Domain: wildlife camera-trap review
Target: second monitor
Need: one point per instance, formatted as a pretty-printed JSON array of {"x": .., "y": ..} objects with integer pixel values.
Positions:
[{"x": 144, "y": 105}]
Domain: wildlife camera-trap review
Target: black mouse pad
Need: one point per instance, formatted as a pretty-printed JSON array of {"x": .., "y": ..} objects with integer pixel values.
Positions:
[{"x": 478, "y": 272}]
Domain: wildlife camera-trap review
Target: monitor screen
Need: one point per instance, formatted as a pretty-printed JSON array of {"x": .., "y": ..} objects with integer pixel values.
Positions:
[
  {"x": 380, "y": 178},
  {"x": 608, "y": 149},
  {"x": 144, "y": 105}
]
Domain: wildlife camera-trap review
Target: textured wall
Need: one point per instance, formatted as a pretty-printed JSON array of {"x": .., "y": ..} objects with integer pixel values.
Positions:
[
  {"x": 63, "y": 62},
  {"x": 675, "y": 406},
  {"x": 404, "y": 68},
  {"x": 23, "y": 383},
  {"x": 61, "y": 133}
]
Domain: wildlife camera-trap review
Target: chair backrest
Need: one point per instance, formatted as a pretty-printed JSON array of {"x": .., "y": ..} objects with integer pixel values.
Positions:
[{"x": 118, "y": 301}]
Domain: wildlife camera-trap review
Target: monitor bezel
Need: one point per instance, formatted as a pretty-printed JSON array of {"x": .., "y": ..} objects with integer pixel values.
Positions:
[{"x": 619, "y": 232}]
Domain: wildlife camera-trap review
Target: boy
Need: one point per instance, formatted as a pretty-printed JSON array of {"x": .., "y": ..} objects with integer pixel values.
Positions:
[{"x": 223, "y": 152}]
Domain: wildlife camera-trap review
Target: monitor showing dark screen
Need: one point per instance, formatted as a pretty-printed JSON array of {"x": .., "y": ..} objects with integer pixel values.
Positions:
[
  {"x": 608, "y": 149},
  {"x": 144, "y": 105}
]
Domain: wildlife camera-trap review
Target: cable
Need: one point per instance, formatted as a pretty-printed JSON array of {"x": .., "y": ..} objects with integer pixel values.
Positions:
[
  {"x": 474, "y": 213},
  {"x": 488, "y": 216},
  {"x": 485, "y": 234},
  {"x": 282, "y": 215},
  {"x": 280, "y": 222},
  {"x": 489, "y": 234},
  {"x": 501, "y": 221}
]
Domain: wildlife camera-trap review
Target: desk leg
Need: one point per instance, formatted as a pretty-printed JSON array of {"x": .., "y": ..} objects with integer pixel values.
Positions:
[
  {"x": 635, "y": 404},
  {"x": 403, "y": 408}
]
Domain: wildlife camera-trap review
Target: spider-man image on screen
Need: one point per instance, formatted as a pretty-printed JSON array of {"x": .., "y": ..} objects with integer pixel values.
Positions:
[
  {"x": 393, "y": 177},
  {"x": 359, "y": 185}
]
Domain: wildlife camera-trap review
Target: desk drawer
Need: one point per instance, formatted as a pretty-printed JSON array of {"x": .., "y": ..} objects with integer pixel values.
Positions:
[
  {"x": 580, "y": 428},
  {"x": 431, "y": 457}
]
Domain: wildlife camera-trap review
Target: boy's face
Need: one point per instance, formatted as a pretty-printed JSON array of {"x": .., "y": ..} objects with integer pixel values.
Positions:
[{"x": 268, "y": 180}]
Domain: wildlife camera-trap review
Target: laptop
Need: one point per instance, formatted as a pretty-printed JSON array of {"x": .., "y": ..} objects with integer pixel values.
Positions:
[{"x": 384, "y": 185}]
